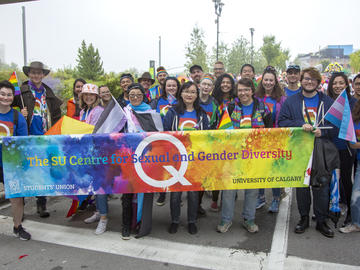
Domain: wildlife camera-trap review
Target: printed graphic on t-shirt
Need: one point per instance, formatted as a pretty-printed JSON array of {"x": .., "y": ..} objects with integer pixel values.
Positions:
[
  {"x": 6, "y": 128},
  {"x": 246, "y": 121},
  {"x": 312, "y": 113},
  {"x": 187, "y": 124}
]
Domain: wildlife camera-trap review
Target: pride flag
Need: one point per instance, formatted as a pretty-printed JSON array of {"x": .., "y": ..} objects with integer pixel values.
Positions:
[
  {"x": 14, "y": 81},
  {"x": 225, "y": 121},
  {"x": 339, "y": 114}
]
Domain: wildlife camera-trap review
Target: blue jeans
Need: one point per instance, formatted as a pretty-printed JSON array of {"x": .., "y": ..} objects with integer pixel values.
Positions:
[
  {"x": 175, "y": 208},
  {"x": 102, "y": 204},
  {"x": 228, "y": 204},
  {"x": 355, "y": 197},
  {"x": 275, "y": 192}
]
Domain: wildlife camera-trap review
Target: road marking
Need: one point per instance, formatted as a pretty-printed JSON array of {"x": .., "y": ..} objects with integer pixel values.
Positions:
[
  {"x": 161, "y": 250},
  {"x": 145, "y": 248},
  {"x": 280, "y": 237}
]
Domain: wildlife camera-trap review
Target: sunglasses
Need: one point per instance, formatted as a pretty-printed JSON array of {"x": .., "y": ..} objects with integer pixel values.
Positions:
[
  {"x": 270, "y": 68},
  {"x": 293, "y": 67}
]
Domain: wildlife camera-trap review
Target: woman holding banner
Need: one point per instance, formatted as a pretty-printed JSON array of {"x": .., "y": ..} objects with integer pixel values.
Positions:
[
  {"x": 337, "y": 83},
  {"x": 137, "y": 112},
  {"x": 187, "y": 114},
  {"x": 13, "y": 123},
  {"x": 211, "y": 107},
  {"x": 245, "y": 112},
  {"x": 162, "y": 104},
  {"x": 270, "y": 93},
  {"x": 91, "y": 109},
  {"x": 72, "y": 106}
]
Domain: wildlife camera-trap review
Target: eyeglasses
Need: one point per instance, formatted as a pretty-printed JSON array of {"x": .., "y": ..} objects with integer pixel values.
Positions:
[
  {"x": 307, "y": 79},
  {"x": 136, "y": 96}
]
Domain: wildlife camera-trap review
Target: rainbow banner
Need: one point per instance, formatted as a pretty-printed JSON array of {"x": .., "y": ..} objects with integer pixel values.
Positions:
[
  {"x": 14, "y": 81},
  {"x": 153, "y": 162}
]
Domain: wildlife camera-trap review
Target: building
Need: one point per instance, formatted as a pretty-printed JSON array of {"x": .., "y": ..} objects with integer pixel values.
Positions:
[{"x": 329, "y": 54}]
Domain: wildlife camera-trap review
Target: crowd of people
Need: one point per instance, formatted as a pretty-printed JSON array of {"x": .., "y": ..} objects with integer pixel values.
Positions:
[{"x": 199, "y": 104}]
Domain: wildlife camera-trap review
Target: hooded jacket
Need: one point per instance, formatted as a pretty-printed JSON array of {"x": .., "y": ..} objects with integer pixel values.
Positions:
[{"x": 171, "y": 120}]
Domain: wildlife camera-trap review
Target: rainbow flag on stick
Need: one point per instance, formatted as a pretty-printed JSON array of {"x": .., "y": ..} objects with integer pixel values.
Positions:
[
  {"x": 14, "y": 81},
  {"x": 339, "y": 114},
  {"x": 225, "y": 121}
]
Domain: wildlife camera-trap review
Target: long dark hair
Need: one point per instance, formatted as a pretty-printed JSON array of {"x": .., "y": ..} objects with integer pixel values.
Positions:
[
  {"x": 164, "y": 94},
  {"x": 276, "y": 93},
  {"x": 217, "y": 93},
  {"x": 180, "y": 106},
  {"x": 77, "y": 107},
  {"x": 330, "y": 89}
]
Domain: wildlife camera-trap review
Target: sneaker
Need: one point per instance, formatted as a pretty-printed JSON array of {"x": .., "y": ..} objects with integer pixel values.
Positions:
[
  {"x": 260, "y": 202},
  {"x": 21, "y": 233},
  {"x": 125, "y": 233},
  {"x": 173, "y": 228},
  {"x": 201, "y": 212},
  {"x": 274, "y": 207},
  {"x": 214, "y": 207},
  {"x": 223, "y": 227},
  {"x": 101, "y": 227},
  {"x": 250, "y": 226},
  {"x": 350, "y": 228},
  {"x": 95, "y": 217},
  {"x": 161, "y": 200},
  {"x": 192, "y": 229}
]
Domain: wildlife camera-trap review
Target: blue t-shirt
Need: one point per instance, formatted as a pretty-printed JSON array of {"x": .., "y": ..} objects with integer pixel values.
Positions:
[
  {"x": 289, "y": 92},
  {"x": 271, "y": 103},
  {"x": 311, "y": 105},
  {"x": 7, "y": 127},
  {"x": 163, "y": 106},
  {"x": 36, "y": 126},
  {"x": 357, "y": 132},
  {"x": 246, "y": 117},
  {"x": 188, "y": 121}
]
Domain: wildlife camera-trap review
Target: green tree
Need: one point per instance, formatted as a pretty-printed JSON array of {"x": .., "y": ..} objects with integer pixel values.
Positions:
[
  {"x": 273, "y": 53},
  {"x": 324, "y": 63},
  {"x": 89, "y": 61},
  {"x": 355, "y": 61},
  {"x": 223, "y": 54},
  {"x": 240, "y": 53},
  {"x": 196, "y": 50}
]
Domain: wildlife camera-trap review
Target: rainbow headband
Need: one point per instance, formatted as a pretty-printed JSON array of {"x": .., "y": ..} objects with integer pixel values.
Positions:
[
  {"x": 161, "y": 71},
  {"x": 209, "y": 77}
]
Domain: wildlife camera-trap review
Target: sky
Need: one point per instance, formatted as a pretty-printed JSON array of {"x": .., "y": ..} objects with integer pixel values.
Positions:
[{"x": 127, "y": 32}]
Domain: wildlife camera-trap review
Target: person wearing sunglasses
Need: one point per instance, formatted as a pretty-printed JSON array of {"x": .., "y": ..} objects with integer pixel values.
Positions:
[{"x": 293, "y": 79}]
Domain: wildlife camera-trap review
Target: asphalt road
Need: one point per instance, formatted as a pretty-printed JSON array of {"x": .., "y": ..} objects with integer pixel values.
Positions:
[{"x": 61, "y": 243}]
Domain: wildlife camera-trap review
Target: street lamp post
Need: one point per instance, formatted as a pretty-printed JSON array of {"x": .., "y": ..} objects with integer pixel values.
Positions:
[
  {"x": 218, "y": 9},
  {"x": 252, "y": 44}
]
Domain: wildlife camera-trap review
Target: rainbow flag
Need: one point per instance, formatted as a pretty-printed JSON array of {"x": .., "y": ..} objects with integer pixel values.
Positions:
[
  {"x": 339, "y": 114},
  {"x": 225, "y": 121},
  {"x": 14, "y": 81}
]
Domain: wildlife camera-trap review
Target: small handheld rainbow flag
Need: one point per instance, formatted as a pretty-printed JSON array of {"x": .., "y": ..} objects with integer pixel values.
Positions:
[
  {"x": 14, "y": 81},
  {"x": 225, "y": 121}
]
